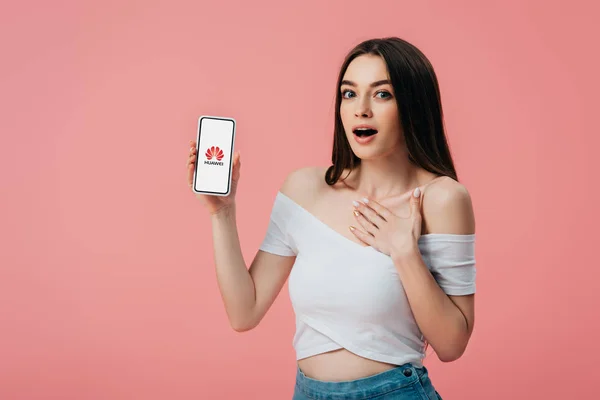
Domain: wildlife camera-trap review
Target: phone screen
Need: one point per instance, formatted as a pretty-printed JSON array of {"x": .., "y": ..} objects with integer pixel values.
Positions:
[{"x": 214, "y": 157}]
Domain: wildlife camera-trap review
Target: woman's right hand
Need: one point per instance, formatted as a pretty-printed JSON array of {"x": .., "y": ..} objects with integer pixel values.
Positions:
[{"x": 215, "y": 204}]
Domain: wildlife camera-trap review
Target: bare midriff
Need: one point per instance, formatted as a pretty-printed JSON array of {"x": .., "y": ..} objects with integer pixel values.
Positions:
[{"x": 340, "y": 365}]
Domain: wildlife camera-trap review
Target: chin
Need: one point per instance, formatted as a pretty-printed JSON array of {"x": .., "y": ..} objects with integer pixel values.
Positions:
[{"x": 369, "y": 154}]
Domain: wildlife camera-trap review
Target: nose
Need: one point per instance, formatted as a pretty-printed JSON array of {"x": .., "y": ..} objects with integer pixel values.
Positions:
[{"x": 363, "y": 109}]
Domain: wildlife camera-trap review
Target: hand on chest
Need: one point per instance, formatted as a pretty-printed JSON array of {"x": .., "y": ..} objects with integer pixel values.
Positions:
[{"x": 338, "y": 214}]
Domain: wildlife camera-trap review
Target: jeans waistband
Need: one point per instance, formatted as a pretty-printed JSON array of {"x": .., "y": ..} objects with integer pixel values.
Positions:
[{"x": 378, "y": 384}]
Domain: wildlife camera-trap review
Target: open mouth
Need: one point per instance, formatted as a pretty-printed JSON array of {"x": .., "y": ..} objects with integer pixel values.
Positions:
[{"x": 364, "y": 132}]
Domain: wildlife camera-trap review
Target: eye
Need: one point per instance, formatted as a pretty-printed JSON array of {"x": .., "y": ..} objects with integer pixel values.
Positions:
[
  {"x": 347, "y": 91},
  {"x": 387, "y": 94}
]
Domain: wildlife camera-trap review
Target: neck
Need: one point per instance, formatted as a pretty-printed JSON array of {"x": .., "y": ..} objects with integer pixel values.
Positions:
[{"x": 384, "y": 177}]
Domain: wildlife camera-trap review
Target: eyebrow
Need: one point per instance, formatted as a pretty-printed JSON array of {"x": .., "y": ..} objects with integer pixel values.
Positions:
[{"x": 374, "y": 84}]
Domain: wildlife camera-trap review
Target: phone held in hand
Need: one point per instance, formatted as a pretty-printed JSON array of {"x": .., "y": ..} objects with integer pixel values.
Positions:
[{"x": 214, "y": 161}]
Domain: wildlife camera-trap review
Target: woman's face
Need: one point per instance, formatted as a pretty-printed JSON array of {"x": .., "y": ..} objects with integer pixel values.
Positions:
[{"x": 368, "y": 108}]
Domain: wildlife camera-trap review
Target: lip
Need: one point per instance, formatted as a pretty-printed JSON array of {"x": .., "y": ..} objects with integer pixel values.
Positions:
[
  {"x": 366, "y": 139},
  {"x": 363, "y": 126}
]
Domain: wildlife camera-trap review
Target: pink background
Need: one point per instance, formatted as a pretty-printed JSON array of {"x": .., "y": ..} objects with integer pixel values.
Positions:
[{"x": 107, "y": 287}]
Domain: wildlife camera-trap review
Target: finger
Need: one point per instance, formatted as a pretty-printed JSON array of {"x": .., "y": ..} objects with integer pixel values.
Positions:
[
  {"x": 237, "y": 164},
  {"x": 365, "y": 223},
  {"x": 415, "y": 202},
  {"x": 191, "y": 162},
  {"x": 369, "y": 213},
  {"x": 190, "y": 175},
  {"x": 362, "y": 236},
  {"x": 382, "y": 211}
]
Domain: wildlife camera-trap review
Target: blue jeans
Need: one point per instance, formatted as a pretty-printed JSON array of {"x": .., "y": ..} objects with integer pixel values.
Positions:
[{"x": 404, "y": 382}]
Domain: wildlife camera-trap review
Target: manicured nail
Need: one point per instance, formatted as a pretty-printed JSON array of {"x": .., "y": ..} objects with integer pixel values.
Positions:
[
  {"x": 356, "y": 204},
  {"x": 352, "y": 228},
  {"x": 356, "y": 213},
  {"x": 365, "y": 200},
  {"x": 417, "y": 192}
]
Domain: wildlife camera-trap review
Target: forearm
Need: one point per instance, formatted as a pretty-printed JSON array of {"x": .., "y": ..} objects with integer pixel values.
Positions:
[
  {"x": 234, "y": 280},
  {"x": 439, "y": 319}
]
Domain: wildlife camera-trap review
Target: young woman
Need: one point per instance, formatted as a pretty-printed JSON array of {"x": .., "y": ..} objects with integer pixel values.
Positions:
[{"x": 378, "y": 247}]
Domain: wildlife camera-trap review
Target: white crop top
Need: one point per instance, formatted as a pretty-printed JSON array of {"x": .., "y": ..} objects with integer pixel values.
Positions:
[{"x": 346, "y": 295}]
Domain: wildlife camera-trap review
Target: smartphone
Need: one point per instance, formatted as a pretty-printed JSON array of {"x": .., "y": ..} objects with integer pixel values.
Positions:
[{"x": 214, "y": 157}]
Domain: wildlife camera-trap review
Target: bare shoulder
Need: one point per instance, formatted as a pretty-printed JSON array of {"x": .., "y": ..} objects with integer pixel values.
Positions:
[
  {"x": 447, "y": 208},
  {"x": 304, "y": 184}
]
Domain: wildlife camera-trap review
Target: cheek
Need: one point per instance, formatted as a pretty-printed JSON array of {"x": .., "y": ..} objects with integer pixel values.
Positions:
[
  {"x": 346, "y": 115},
  {"x": 388, "y": 117},
  {"x": 389, "y": 120},
  {"x": 345, "y": 110},
  {"x": 389, "y": 114}
]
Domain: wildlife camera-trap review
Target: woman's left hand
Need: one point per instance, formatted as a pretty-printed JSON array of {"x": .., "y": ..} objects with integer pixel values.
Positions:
[{"x": 388, "y": 233}]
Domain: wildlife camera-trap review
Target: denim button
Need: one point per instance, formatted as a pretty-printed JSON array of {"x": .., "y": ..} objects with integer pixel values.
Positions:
[{"x": 407, "y": 372}]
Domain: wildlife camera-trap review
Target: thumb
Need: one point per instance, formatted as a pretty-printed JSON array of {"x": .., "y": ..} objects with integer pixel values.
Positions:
[{"x": 415, "y": 202}]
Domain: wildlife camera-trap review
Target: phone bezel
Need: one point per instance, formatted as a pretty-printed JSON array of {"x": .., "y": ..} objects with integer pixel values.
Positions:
[{"x": 202, "y": 117}]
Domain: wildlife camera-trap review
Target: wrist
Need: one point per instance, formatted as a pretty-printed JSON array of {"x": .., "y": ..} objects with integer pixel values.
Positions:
[
  {"x": 224, "y": 213},
  {"x": 405, "y": 254}
]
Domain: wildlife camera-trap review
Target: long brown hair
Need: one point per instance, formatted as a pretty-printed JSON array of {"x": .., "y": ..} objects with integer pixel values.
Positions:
[{"x": 419, "y": 104}]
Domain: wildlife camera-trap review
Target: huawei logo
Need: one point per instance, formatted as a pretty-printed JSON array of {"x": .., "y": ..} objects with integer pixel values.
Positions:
[{"x": 216, "y": 153}]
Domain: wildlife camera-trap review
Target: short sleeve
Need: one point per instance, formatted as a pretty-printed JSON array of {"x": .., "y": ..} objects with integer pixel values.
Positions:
[
  {"x": 278, "y": 239},
  {"x": 451, "y": 260}
]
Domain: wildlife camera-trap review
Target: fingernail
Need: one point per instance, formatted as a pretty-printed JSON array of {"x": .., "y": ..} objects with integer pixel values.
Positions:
[
  {"x": 417, "y": 192},
  {"x": 352, "y": 228},
  {"x": 355, "y": 203},
  {"x": 365, "y": 200},
  {"x": 356, "y": 213}
]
